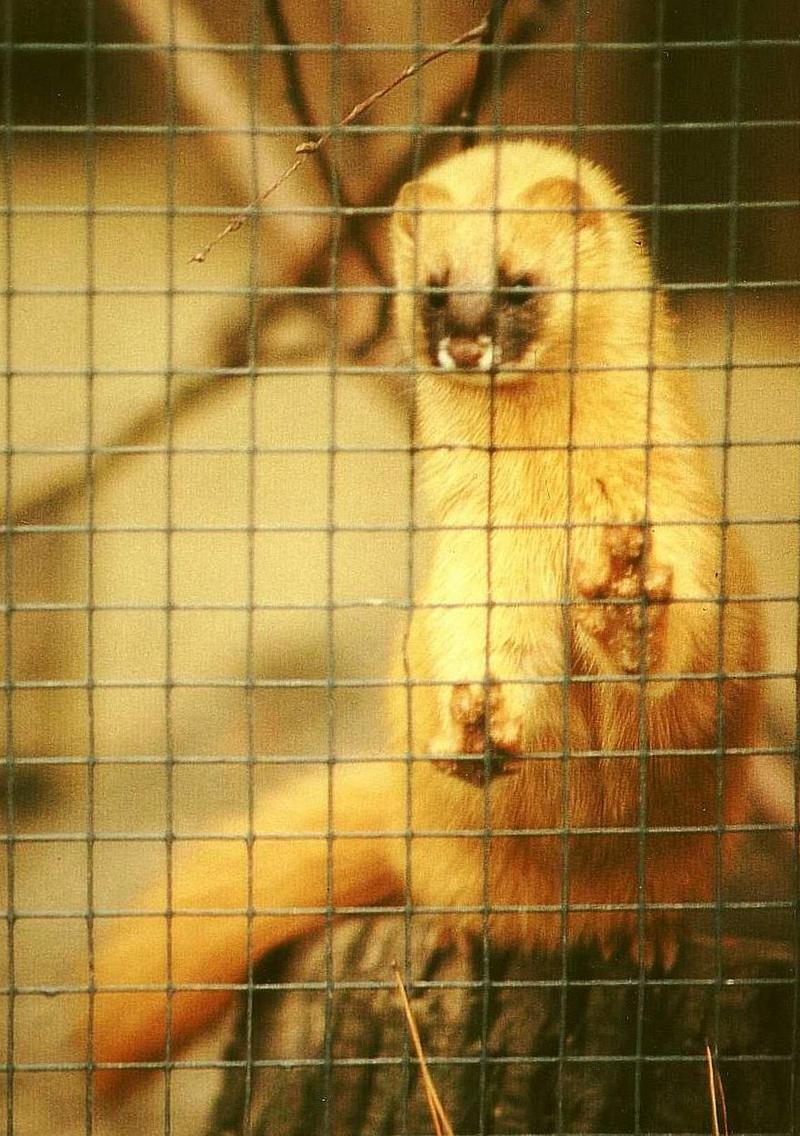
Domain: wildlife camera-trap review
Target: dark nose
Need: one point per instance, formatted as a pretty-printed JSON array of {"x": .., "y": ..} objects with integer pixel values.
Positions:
[{"x": 464, "y": 352}]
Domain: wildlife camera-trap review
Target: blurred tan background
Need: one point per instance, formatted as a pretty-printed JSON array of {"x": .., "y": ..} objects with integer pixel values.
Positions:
[{"x": 198, "y": 457}]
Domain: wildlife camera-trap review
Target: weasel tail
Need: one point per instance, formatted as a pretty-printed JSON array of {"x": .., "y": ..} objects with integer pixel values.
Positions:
[{"x": 575, "y": 671}]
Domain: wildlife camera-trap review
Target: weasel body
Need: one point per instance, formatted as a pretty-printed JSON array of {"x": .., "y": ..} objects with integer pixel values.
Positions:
[{"x": 561, "y": 684}]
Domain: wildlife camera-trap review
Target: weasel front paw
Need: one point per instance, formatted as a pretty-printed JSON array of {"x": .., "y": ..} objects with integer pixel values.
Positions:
[
  {"x": 478, "y": 719},
  {"x": 629, "y": 592}
]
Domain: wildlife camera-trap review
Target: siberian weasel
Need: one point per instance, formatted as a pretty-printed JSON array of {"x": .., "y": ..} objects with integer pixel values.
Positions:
[{"x": 575, "y": 536}]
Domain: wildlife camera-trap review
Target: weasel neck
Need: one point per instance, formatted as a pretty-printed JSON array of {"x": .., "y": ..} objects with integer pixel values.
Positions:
[
  {"x": 486, "y": 452},
  {"x": 534, "y": 411}
]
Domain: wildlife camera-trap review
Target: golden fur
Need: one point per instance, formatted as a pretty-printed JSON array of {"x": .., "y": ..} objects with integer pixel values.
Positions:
[{"x": 575, "y": 535}]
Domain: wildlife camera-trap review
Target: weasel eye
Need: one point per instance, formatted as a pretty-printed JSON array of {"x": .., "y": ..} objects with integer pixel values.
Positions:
[
  {"x": 436, "y": 296},
  {"x": 518, "y": 292}
]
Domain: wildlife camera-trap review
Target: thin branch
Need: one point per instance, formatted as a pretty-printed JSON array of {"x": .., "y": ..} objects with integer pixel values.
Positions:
[
  {"x": 523, "y": 30},
  {"x": 296, "y": 98},
  {"x": 440, "y": 1122},
  {"x": 210, "y": 88},
  {"x": 305, "y": 149},
  {"x": 483, "y": 73},
  {"x": 295, "y": 93}
]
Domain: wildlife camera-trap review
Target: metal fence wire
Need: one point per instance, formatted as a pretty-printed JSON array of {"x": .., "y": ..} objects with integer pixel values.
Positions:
[{"x": 218, "y": 472}]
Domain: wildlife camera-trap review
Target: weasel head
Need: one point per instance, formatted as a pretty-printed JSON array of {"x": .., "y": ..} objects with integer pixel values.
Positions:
[{"x": 504, "y": 258}]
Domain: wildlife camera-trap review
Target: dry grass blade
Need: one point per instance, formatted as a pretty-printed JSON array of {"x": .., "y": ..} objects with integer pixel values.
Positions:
[
  {"x": 305, "y": 149},
  {"x": 440, "y": 1122},
  {"x": 715, "y": 1087},
  {"x": 723, "y": 1105}
]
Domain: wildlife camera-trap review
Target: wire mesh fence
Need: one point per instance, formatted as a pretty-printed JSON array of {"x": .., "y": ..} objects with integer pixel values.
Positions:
[{"x": 218, "y": 476}]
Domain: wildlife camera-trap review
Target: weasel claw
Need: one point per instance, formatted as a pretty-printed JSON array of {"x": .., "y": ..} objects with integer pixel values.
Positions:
[
  {"x": 483, "y": 739},
  {"x": 620, "y": 574}
]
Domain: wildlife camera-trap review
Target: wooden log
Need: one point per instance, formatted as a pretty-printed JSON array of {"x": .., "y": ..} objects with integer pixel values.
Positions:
[{"x": 516, "y": 1042}]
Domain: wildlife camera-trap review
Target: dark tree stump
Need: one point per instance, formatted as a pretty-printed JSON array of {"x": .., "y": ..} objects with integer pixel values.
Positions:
[{"x": 514, "y": 1045}]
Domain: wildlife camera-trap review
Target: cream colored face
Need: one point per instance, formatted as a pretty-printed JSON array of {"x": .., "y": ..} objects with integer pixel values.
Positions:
[{"x": 488, "y": 293}]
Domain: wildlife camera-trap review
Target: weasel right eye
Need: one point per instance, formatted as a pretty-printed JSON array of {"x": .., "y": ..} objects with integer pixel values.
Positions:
[{"x": 518, "y": 292}]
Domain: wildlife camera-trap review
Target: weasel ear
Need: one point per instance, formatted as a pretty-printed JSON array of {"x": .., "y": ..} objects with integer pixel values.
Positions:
[
  {"x": 413, "y": 198},
  {"x": 563, "y": 195}
]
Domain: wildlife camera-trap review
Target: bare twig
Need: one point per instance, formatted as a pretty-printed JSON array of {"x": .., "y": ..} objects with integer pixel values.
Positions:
[
  {"x": 440, "y": 1122},
  {"x": 296, "y": 98},
  {"x": 451, "y": 114},
  {"x": 483, "y": 72},
  {"x": 305, "y": 149},
  {"x": 295, "y": 93},
  {"x": 208, "y": 86},
  {"x": 211, "y": 90}
]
